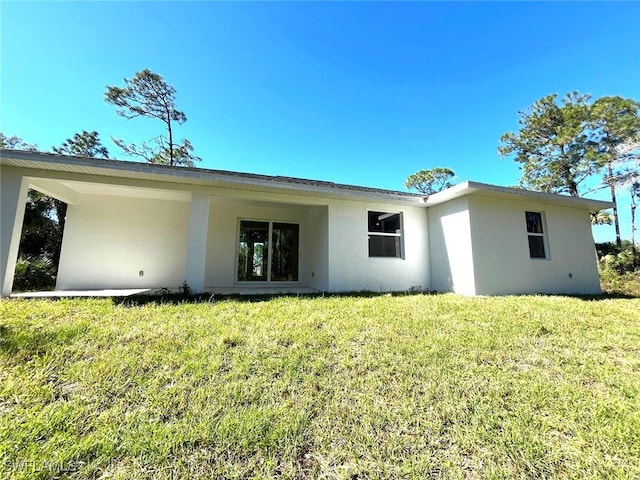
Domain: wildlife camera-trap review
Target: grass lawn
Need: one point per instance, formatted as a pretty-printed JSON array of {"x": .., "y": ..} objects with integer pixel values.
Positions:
[{"x": 419, "y": 386}]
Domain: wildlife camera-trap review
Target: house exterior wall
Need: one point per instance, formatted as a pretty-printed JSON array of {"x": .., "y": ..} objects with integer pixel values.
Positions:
[
  {"x": 317, "y": 251},
  {"x": 333, "y": 245},
  {"x": 474, "y": 244},
  {"x": 450, "y": 245},
  {"x": 351, "y": 269},
  {"x": 109, "y": 239},
  {"x": 224, "y": 217},
  {"x": 504, "y": 266}
]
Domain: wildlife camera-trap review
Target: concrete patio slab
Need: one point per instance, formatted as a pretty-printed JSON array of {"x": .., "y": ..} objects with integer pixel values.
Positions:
[{"x": 121, "y": 292}]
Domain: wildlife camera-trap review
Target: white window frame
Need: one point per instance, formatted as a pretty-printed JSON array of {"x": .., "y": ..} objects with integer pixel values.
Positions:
[
  {"x": 543, "y": 235},
  {"x": 383, "y": 234},
  {"x": 269, "y": 250}
]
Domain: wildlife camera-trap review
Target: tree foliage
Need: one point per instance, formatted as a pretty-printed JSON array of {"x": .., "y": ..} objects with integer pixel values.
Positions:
[
  {"x": 16, "y": 143},
  {"x": 40, "y": 242},
  {"x": 615, "y": 130},
  {"x": 41, "y": 230},
  {"x": 83, "y": 144},
  {"x": 148, "y": 95},
  {"x": 559, "y": 146},
  {"x": 552, "y": 145},
  {"x": 601, "y": 218},
  {"x": 34, "y": 274},
  {"x": 634, "y": 189},
  {"x": 431, "y": 181},
  {"x": 619, "y": 258}
]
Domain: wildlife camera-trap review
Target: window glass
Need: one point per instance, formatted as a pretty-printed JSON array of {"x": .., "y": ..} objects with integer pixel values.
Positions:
[
  {"x": 253, "y": 255},
  {"x": 284, "y": 263},
  {"x": 385, "y": 234},
  {"x": 534, "y": 222},
  {"x": 536, "y": 246},
  {"x": 258, "y": 242},
  {"x": 380, "y": 246},
  {"x": 535, "y": 234},
  {"x": 384, "y": 222}
]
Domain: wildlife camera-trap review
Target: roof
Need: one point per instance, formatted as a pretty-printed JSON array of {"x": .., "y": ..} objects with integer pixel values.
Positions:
[
  {"x": 193, "y": 175},
  {"x": 252, "y": 181},
  {"x": 519, "y": 194}
]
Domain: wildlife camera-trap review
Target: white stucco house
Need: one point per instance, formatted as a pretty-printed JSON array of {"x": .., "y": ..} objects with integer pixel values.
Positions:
[{"x": 139, "y": 226}]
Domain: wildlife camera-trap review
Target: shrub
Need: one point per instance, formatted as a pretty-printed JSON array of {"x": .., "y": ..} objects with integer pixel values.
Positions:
[
  {"x": 621, "y": 260},
  {"x": 34, "y": 273},
  {"x": 615, "y": 283}
]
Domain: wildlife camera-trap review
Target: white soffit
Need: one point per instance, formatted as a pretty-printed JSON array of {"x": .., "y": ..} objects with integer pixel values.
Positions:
[{"x": 126, "y": 191}]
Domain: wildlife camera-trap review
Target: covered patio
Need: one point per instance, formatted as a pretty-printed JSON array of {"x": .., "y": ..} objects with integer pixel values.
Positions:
[{"x": 125, "y": 235}]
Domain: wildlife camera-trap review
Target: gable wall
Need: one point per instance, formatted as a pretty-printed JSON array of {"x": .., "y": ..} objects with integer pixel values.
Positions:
[{"x": 502, "y": 261}]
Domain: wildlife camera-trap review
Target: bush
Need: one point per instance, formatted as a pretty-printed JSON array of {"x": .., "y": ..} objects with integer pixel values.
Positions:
[
  {"x": 615, "y": 283},
  {"x": 34, "y": 273},
  {"x": 625, "y": 259},
  {"x": 619, "y": 268}
]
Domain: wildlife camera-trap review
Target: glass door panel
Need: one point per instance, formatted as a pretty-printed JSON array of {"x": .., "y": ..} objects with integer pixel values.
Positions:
[
  {"x": 253, "y": 255},
  {"x": 284, "y": 262},
  {"x": 268, "y": 251}
]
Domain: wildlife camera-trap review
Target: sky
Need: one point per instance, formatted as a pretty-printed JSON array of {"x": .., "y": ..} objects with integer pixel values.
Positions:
[{"x": 362, "y": 93}]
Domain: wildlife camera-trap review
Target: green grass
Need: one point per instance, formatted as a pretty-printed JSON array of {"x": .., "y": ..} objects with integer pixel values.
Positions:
[{"x": 385, "y": 387}]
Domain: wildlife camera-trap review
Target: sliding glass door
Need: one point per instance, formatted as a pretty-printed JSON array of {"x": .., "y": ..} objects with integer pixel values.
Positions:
[
  {"x": 268, "y": 251},
  {"x": 253, "y": 257}
]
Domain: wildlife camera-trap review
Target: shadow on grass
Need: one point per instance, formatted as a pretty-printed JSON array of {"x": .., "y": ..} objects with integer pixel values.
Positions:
[
  {"x": 180, "y": 298},
  {"x": 605, "y": 296},
  {"x": 189, "y": 298},
  {"x": 30, "y": 343}
]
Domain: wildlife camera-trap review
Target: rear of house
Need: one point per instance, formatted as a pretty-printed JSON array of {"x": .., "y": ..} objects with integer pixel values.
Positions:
[{"x": 132, "y": 225}]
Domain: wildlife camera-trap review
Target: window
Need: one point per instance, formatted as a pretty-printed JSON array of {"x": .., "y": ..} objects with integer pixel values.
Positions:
[
  {"x": 268, "y": 251},
  {"x": 385, "y": 234},
  {"x": 535, "y": 233}
]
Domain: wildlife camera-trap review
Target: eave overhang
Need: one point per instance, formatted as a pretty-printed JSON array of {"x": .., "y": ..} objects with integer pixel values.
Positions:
[
  {"x": 515, "y": 194},
  {"x": 199, "y": 177}
]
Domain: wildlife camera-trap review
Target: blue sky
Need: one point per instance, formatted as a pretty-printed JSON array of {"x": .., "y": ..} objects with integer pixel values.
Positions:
[{"x": 360, "y": 93}]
